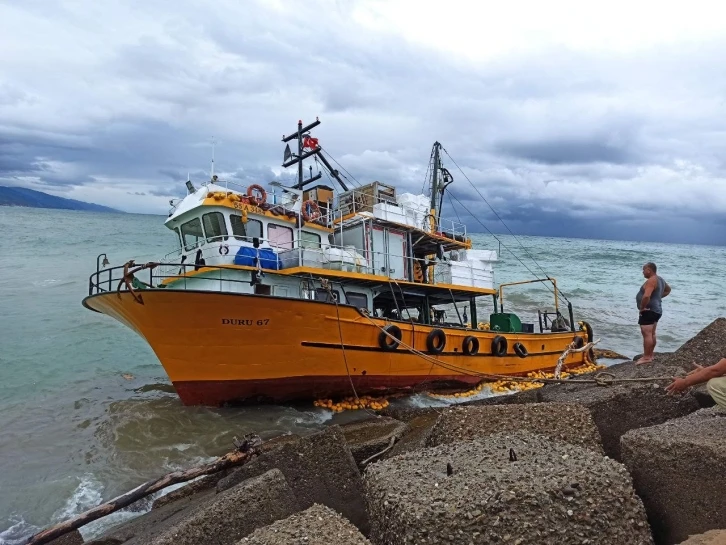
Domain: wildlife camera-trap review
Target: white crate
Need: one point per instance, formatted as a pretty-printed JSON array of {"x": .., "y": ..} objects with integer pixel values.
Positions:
[
  {"x": 390, "y": 212},
  {"x": 464, "y": 273}
]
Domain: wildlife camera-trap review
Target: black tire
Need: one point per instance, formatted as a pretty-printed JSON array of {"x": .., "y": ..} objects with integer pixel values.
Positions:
[
  {"x": 499, "y": 346},
  {"x": 385, "y": 342},
  {"x": 520, "y": 350},
  {"x": 579, "y": 342},
  {"x": 470, "y": 346},
  {"x": 436, "y": 341}
]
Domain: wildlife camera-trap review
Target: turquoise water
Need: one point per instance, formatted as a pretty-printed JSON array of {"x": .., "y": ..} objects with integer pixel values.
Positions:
[{"x": 86, "y": 411}]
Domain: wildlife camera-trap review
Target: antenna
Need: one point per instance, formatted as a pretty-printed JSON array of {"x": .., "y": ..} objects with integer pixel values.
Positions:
[{"x": 212, "y": 156}]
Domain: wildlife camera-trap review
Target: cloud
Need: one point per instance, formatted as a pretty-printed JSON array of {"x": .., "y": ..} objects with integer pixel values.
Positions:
[{"x": 567, "y": 120}]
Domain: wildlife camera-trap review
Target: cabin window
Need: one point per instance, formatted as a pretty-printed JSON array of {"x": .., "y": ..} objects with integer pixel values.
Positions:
[
  {"x": 178, "y": 236},
  {"x": 245, "y": 231},
  {"x": 358, "y": 300},
  {"x": 279, "y": 236},
  {"x": 214, "y": 226},
  {"x": 192, "y": 234},
  {"x": 321, "y": 294},
  {"x": 309, "y": 240}
]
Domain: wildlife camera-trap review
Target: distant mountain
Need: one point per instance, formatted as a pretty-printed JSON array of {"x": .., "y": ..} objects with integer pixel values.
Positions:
[{"x": 20, "y": 196}]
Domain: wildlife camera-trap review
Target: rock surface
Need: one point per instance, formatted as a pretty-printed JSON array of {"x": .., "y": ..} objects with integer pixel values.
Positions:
[
  {"x": 712, "y": 537},
  {"x": 679, "y": 470},
  {"x": 319, "y": 468},
  {"x": 317, "y": 525},
  {"x": 227, "y": 516},
  {"x": 370, "y": 437},
  {"x": 618, "y": 408},
  {"x": 420, "y": 429},
  {"x": 565, "y": 422},
  {"x": 71, "y": 538},
  {"x": 554, "y": 493}
]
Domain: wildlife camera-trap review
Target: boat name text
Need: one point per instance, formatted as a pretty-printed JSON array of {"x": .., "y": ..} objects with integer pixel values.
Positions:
[{"x": 240, "y": 321}]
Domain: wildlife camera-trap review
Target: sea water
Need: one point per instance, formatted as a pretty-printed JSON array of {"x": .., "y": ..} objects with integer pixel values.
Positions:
[{"x": 87, "y": 412}]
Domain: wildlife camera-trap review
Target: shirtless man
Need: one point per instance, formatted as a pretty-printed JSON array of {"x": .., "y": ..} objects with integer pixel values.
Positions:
[{"x": 649, "y": 305}]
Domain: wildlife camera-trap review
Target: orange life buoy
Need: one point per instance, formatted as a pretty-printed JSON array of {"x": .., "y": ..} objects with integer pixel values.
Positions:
[
  {"x": 310, "y": 210},
  {"x": 254, "y": 199}
]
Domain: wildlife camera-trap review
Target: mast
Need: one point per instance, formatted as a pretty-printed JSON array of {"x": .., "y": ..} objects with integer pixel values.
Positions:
[
  {"x": 434, "y": 186},
  {"x": 302, "y": 135}
]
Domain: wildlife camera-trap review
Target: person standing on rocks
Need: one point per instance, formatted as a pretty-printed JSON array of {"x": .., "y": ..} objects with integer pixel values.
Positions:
[
  {"x": 714, "y": 376},
  {"x": 649, "y": 304}
]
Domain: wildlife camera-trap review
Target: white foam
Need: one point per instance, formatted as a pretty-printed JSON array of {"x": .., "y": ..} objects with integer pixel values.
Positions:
[{"x": 18, "y": 532}]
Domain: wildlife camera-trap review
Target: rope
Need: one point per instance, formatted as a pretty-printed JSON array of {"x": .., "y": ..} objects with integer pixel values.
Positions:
[
  {"x": 498, "y": 216},
  {"x": 552, "y": 291},
  {"x": 598, "y": 379},
  {"x": 326, "y": 285}
]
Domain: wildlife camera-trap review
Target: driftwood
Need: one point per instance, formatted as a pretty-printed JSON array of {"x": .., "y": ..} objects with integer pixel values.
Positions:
[{"x": 244, "y": 451}]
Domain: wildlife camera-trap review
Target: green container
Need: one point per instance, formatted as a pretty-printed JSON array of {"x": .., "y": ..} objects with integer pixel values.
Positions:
[{"x": 505, "y": 322}]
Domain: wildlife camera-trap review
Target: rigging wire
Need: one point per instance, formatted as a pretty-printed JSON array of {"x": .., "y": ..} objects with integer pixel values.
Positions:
[
  {"x": 341, "y": 166},
  {"x": 500, "y": 219},
  {"x": 559, "y": 293},
  {"x": 503, "y": 223}
]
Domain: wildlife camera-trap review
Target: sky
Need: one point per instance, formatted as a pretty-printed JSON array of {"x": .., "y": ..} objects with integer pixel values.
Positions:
[{"x": 598, "y": 120}]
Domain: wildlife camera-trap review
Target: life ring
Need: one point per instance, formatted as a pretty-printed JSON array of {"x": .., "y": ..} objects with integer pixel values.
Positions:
[
  {"x": 436, "y": 341},
  {"x": 579, "y": 342},
  {"x": 587, "y": 328},
  {"x": 520, "y": 350},
  {"x": 314, "y": 210},
  {"x": 223, "y": 249},
  {"x": 499, "y": 346},
  {"x": 385, "y": 342},
  {"x": 254, "y": 199},
  {"x": 470, "y": 346}
]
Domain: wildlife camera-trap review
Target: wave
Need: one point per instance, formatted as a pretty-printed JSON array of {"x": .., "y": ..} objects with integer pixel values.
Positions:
[{"x": 18, "y": 532}]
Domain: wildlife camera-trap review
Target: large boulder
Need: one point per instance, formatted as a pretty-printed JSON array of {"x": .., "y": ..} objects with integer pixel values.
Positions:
[
  {"x": 228, "y": 516},
  {"x": 679, "y": 470},
  {"x": 369, "y": 437},
  {"x": 565, "y": 422},
  {"x": 320, "y": 469},
  {"x": 316, "y": 525},
  {"x": 506, "y": 488}
]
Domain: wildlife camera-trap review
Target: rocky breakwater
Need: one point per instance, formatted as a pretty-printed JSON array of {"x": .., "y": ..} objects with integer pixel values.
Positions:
[{"x": 565, "y": 463}]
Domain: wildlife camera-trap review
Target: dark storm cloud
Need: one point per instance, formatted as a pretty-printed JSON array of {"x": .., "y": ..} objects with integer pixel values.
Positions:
[
  {"x": 556, "y": 139},
  {"x": 563, "y": 151}
]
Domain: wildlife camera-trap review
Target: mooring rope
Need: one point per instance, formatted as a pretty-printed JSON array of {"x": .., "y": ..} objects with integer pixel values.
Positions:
[{"x": 600, "y": 379}]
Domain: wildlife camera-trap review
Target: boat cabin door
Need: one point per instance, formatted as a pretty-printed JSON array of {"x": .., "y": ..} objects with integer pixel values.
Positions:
[{"x": 389, "y": 251}]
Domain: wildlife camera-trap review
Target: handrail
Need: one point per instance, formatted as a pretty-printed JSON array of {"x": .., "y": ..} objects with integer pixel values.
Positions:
[{"x": 548, "y": 279}]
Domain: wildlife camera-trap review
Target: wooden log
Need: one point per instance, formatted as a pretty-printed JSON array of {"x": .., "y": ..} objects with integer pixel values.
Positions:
[{"x": 244, "y": 452}]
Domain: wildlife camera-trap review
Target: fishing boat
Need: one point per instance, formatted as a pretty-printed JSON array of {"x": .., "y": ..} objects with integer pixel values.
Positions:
[{"x": 306, "y": 290}]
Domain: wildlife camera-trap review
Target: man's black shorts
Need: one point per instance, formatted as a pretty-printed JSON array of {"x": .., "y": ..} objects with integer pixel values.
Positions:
[{"x": 648, "y": 318}]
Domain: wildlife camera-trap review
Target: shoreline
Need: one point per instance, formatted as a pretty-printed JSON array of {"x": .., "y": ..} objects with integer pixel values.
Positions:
[{"x": 399, "y": 439}]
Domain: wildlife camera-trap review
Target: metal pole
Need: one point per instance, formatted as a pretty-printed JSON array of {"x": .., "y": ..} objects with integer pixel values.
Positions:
[{"x": 299, "y": 153}]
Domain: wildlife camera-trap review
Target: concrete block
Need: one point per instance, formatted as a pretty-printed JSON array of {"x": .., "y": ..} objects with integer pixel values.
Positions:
[
  {"x": 506, "y": 488},
  {"x": 564, "y": 422},
  {"x": 316, "y": 525},
  {"x": 679, "y": 470}
]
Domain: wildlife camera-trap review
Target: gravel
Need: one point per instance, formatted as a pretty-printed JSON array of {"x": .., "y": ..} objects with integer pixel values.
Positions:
[
  {"x": 318, "y": 525},
  {"x": 554, "y": 493},
  {"x": 565, "y": 422}
]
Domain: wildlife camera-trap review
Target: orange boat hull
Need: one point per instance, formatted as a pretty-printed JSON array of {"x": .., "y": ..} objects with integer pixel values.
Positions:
[{"x": 226, "y": 348}]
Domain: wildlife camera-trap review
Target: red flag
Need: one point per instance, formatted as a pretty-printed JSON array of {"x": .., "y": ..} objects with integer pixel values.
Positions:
[{"x": 310, "y": 142}]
